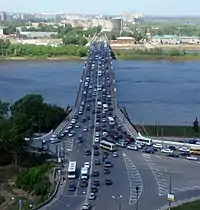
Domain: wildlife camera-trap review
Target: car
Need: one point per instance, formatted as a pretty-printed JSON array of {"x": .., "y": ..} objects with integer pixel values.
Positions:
[
  {"x": 77, "y": 125},
  {"x": 184, "y": 149},
  {"x": 88, "y": 152},
  {"x": 95, "y": 147},
  {"x": 84, "y": 183},
  {"x": 166, "y": 150},
  {"x": 173, "y": 155},
  {"x": 96, "y": 140},
  {"x": 96, "y": 182},
  {"x": 185, "y": 154},
  {"x": 149, "y": 150},
  {"x": 172, "y": 148},
  {"x": 85, "y": 129},
  {"x": 71, "y": 133},
  {"x": 96, "y": 152},
  {"x": 86, "y": 206},
  {"x": 115, "y": 154},
  {"x": 86, "y": 165},
  {"x": 192, "y": 158},
  {"x": 94, "y": 189},
  {"x": 72, "y": 187},
  {"x": 108, "y": 182},
  {"x": 97, "y": 162},
  {"x": 132, "y": 147},
  {"x": 158, "y": 146},
  {"x": 97, "y": 134},
  {"x": 95, "y": 173},
  {"x": 107, "y": 163},
  {"x": 121, "y": 144},
  {"x": 92, "y": 196}
]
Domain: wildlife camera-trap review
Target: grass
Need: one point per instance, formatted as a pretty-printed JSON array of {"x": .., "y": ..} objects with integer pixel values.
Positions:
[
  {"x": 189, "y": 206},
  {"x": 175, "y": 131}
]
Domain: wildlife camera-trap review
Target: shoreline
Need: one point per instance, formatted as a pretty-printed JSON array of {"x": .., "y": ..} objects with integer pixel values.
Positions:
[{"x": 121, "y": 57}]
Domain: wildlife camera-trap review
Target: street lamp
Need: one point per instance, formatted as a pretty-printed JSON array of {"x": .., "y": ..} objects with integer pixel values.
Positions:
[
  {"x": 119, "y": 201},
  {"x": 137, "y": 192}
]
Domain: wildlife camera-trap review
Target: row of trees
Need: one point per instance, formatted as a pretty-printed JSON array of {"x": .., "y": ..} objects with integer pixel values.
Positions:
[
  {"x": 8, "y": 49},
  {"x": 24, "y": 118}
]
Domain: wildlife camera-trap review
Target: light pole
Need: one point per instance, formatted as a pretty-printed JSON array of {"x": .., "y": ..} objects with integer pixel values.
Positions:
[
  {"x": 119, "y": 201},
  {"x": 137, "y": 192}
]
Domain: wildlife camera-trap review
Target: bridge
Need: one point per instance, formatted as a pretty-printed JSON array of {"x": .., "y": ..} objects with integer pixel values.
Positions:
[{"x": 132, "y": 181}]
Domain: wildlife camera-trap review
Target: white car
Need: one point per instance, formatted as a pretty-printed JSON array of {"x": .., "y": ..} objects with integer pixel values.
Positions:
[
  {"x": 86, "y": 206},
  {"x": 97, "y": 134},
  {"x": 158, "y": 146},
  {"x": 184, "y": 149},
  {"x": 73, "y": 121},
  {"x": 77, "y": 125},
  {"x": 104, "y": 134},
  {"x": 115, "y": 154},
  {"x": 132, "y": 147},
  {"x": 92, "y": 196},
  {"x": 192, "y": 158},
  {"x": 71, "y": 133},
  {"x": 96, "y": 140},
  {"x": 86, "y": 165},
  {"x": 85, "y": 129},
  {"x": 168, "y": 151}
]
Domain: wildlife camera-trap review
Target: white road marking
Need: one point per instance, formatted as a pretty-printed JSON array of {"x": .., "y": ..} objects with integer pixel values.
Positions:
[
  {"x": 158, "y": 156},
  {"x": 77, "y": 187},
  {"x": 73, "y": 195},
  {"x": 135, "y": 180},
  {"x": 163, "y": 186}
]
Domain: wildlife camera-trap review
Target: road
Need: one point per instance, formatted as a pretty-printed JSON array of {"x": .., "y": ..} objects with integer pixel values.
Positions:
[{"x": 89, "y": 124}]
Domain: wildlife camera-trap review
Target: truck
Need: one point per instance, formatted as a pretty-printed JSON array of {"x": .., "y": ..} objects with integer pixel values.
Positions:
[{"x": 84, "y": 173}]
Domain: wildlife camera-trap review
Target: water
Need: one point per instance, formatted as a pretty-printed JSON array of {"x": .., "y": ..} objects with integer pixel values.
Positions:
[{"x": 151, "y": 91}]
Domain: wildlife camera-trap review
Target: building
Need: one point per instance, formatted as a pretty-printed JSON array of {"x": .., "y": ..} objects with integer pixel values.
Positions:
[
  {"x": 3, "y": 16},
  {"x": 36, "y": 35},
  {"x": 174, "y": 39},
  {"x": 117, "y": 24}
]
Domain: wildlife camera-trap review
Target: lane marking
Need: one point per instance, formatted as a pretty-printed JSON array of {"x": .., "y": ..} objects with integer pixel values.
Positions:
[
  {"x": 73, "y": 195},
  {"x": 163, "y": 186},
  {"x": 135, "y": 179}
]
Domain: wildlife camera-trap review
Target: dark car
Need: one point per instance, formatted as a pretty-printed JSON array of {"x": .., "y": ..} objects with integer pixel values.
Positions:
[
  {"x": 97, "y": 162},
  {"x": 185, "y": 154},
  {"x": 84, "y": 183},
  {"x": 172, "y": 148},
  {"x": 95, "y": 173},
  {"x": 108, "y": 182},
  {"x": 149, "y": 150},
  {"x": 94, "y": 189},
  {"x": 173, "y": 155},
  {"x": 106, "y": 171},
  {"x": 72, "y": 187},
  {"x": 95, "y": 147},
  {"x": 88, "y": 152},
  {"x": 96, "y": 182},
  {"x": 96, "y": 152}
]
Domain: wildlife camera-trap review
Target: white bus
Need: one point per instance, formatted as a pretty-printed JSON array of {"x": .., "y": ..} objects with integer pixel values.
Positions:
[
  {"x": 71, "y": 173},
  {"x": 111, "y": 120},
  {"x": 105, "y": 107},
  {"x": 144, "y": 140},
  {"x": 108, "y": 145}
]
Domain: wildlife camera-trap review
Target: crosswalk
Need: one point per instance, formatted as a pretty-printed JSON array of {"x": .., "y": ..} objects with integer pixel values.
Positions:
[{"x": 135, "y": 180}]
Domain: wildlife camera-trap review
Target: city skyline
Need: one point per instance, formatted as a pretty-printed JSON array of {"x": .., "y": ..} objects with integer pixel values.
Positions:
[{"x": 153, "y": 7}]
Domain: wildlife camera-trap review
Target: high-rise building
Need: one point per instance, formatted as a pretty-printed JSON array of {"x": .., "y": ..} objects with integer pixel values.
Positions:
[
  {"x": 3, "y": 16},
  {"x": 117, "y": 24}
]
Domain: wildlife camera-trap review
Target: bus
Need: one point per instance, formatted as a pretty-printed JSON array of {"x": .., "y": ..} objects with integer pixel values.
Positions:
[
  {"x": 111, "y": 120},
  {"x": 105, "y": 107},
  {"x": 143, "y": 140},
  {"x": 108, "y": 145},
  {"x": 71, "y": 172},
  {"x": 195, "y": 151}
]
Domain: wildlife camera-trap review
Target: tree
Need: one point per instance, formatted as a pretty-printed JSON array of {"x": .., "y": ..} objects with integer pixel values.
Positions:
[
  {"x": 4, "y": 108},
  {"x": 196, "y": 125}
]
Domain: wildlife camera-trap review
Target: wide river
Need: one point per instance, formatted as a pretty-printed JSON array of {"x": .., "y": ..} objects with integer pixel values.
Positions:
[{"x": 152, "y": 91}]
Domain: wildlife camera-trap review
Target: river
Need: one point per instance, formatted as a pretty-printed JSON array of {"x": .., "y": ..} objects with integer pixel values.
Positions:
[{"x": 152, "y": 91}]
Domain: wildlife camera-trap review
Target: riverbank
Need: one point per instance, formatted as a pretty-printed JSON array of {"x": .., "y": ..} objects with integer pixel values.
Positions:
[
  {"x": 168, "y": 131},
  {"x": 39, "y": 58}
]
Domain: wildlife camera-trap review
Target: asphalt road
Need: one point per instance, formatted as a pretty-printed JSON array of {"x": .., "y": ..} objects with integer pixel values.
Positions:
[{"x": 156, "y": 170}]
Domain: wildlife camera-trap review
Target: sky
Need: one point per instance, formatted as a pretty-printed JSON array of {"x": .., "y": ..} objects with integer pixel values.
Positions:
[{"x": 147, "y": 7}]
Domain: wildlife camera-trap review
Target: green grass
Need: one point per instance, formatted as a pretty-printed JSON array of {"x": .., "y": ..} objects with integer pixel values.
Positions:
[
  {"x": 175, "y": 131},
  {"x": 189, "y": 206}
]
